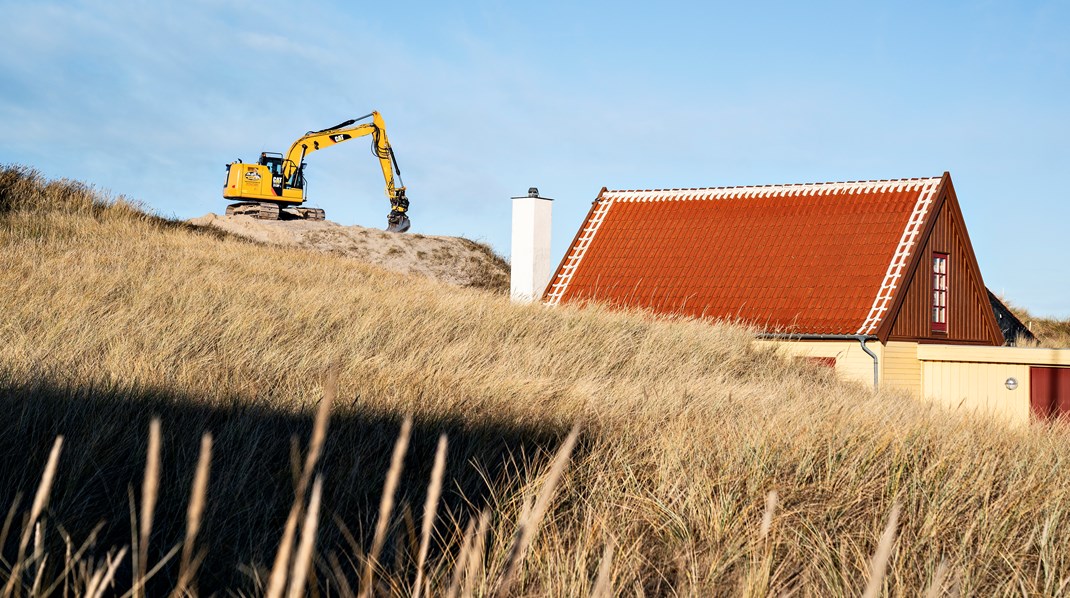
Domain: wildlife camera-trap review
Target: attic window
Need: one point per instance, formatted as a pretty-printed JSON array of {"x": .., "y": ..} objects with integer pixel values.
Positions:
[{"x": 939, "y": 292}]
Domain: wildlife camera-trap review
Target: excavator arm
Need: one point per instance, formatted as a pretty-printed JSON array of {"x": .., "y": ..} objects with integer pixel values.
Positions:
[{"x": 397, "y": 220}]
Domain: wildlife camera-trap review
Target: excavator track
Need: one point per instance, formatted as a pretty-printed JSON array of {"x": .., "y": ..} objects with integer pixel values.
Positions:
[
  {"x": 259, "y": 210},
  {"x": 268, "y": 211},
  {"x": 311, "y": 213}
]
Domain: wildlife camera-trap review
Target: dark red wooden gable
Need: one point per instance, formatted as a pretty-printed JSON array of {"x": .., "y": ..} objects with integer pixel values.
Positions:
[{"x": 970, "y": 319}]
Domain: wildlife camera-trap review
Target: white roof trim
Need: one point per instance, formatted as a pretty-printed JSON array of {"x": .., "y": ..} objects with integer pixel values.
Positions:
[
  {"x": 572, "y": 261},
  {"x": 803, "y": 189},
  {"x": 903, "y": 251}
]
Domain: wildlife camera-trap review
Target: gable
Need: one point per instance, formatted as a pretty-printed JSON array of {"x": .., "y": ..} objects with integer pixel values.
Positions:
[
  {"x": 970, "y": 317},
  {"x": 824, "y": 258},
  {"x": 1012, "y": 328}
]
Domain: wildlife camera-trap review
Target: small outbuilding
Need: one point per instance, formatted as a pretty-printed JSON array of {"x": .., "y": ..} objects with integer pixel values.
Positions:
[{"x": 870, "y": 277}]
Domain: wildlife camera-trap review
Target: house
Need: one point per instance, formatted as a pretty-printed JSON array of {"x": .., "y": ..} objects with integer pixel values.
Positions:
[{"x": 877, "y": 278}]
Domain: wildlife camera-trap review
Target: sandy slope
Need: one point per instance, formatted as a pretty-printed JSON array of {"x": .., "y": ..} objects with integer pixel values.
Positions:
[{"x": 455, "y": 260}]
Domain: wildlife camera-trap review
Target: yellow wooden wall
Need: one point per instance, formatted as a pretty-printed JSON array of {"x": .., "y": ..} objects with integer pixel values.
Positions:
[
  {"x": 900, "y": 367},
  {"x": 852, "y": 363},
  {"x": 978, "y": 388},
  {"x": 975, "y": 378},
  {"x": 959, "y": 377}
]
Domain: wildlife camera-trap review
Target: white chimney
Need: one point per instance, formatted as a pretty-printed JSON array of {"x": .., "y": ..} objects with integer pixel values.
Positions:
[{"x": 530, "y": 255}]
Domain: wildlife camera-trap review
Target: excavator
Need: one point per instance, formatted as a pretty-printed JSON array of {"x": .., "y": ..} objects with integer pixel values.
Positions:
[{"x": 275, "y": 185}]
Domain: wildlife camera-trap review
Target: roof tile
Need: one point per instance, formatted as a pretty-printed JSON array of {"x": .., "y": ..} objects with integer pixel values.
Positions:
[{"x": 822, "y": 258}]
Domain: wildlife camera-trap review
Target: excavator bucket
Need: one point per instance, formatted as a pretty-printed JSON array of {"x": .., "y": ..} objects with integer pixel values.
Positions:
[{"x": 397, "y": 222}]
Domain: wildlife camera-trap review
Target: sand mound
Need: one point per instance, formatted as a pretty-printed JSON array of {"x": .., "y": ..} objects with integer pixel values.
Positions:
[{"x": 455, "y": 260}]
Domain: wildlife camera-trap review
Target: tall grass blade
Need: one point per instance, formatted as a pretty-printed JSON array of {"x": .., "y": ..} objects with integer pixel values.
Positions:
[
  {"x": 430, "y": 508},
  {"x": 386, "y": 506},
  {"x": 767, "y": 516},
  {"x": 160, "y": 564},
  {"x": 39, "y": 576},
  {"x": 476, "y": 568},
  {"x": 40, "y": 500},
  {"x": 281, "y": 567},
  {"x": 198, "y": 499},
  {"x": 303, "y": 561},
  {"x": 5, "y": 529},
  {"x": 72, "y": 559},
  {"x": 149, "y": 493},
  {"x": 879, "y": 564},
  {"x": 936, "y": 588},
  {"x": 103, "y": 578},
  {"x": 603, "y": 584},
  {"x": 531, "y": 522},
  {"x": 462, "y": 560}
]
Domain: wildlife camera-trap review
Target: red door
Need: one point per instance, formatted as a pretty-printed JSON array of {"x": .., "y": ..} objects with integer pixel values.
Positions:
[{"x": 1049, "y": 392}]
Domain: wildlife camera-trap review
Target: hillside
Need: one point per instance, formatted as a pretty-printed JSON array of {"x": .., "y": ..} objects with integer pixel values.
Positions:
[
  {"x": 703, "y": 466},
  {"x": 450, "y": 259},
  {"x": 1049, "y": 332}
]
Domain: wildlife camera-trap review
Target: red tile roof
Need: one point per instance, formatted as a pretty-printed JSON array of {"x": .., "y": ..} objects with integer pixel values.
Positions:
[{"x": 822, "y": 258}]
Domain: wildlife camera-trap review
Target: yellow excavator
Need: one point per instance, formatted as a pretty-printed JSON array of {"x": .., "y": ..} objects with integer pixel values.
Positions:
[{"x": 275, "y": 185}]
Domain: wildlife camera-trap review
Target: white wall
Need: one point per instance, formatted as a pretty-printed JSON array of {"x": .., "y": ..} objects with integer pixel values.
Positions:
[{"x": 530, "y": 254}]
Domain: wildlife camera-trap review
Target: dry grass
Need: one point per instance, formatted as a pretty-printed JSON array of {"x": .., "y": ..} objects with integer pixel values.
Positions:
[
  {"x": 1049, "y": 332},
  {"x": 114, "y": 318}
]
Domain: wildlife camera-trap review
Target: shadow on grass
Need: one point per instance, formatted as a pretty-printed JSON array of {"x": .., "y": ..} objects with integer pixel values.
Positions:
[{"x": 251, "y": 484}]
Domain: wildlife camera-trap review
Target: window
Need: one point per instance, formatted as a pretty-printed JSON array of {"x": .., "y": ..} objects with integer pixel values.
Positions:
[{"x": 939, "y": 292}]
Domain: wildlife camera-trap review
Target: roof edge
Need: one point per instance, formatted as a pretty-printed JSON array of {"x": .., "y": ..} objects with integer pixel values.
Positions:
[
  {"x": 555, "y": 278},
  {"x": 793, "y": 186}
]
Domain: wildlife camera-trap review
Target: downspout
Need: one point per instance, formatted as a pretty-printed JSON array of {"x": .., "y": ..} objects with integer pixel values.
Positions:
[
  {"x": 861, "y": 338},
  {"x": 876, "y": 375}
]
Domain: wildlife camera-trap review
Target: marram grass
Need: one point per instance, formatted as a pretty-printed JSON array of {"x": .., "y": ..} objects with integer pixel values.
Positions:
[{"x": 700, "y": 464}]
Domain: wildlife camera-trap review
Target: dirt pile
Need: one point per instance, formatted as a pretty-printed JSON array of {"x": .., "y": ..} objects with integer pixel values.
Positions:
[{"x": 455, "y": 260}]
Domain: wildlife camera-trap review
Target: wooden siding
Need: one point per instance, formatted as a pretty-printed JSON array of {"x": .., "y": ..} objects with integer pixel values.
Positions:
[
  {"x": 970, "y": 316},
  {"x": 900, "y": 367},
  {"x": 978, "y": 388},
  {"x": 974, "y": 378}
]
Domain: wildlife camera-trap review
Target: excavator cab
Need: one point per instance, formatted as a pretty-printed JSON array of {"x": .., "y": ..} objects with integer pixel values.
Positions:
[{"x": 274, "y": 165}]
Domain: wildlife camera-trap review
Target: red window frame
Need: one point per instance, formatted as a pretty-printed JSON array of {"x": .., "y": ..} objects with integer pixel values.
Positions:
[{"x": 940, "y": 291}]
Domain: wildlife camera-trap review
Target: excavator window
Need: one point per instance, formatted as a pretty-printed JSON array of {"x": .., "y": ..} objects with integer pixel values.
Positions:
[
  {"x": 274, "y": 163},
  {"x": 297, "y": 179}
]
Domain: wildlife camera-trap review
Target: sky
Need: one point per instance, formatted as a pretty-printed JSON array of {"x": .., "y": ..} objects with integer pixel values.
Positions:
[{"x": 482, "y": 100}]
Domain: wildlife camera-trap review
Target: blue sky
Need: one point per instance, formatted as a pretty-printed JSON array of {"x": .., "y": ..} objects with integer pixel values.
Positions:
[{"x": 484, "y": 99}]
